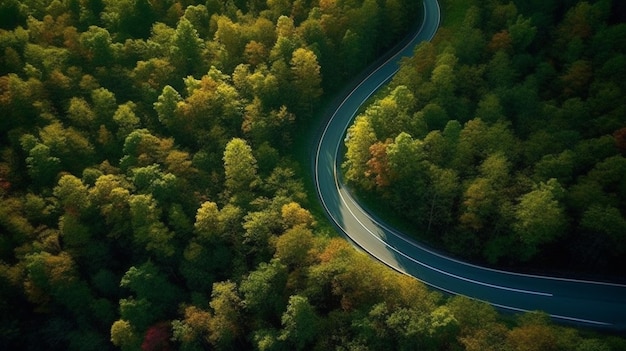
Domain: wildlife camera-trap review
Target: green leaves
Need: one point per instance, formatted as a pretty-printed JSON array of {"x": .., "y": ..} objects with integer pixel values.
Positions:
[
  {"x": 240, "y": 168},
  {"x": 540, "y": 217},
  {"x": 300, "y": 323},
  {"x": 148, "y": 229},
  {"x": 358, "y": 141}
]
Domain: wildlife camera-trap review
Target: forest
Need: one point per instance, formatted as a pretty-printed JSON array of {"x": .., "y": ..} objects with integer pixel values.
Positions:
[
  {"x": 503, "y": 140},
  {"x": 150, "y": 198}
]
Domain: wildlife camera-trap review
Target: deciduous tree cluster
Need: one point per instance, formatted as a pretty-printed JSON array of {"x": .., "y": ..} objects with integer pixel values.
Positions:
[{"x": 502, "y": 140}]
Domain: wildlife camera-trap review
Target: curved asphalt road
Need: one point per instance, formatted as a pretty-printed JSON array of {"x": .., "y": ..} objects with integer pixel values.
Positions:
[{"x": 596, "y": 304}]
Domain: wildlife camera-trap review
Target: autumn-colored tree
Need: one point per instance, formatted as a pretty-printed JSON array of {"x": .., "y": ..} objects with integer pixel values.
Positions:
[
  {"x": 124, "y": 336},
  {"x": 377, "y": 165},
  {"x": 157, "y": 338}
]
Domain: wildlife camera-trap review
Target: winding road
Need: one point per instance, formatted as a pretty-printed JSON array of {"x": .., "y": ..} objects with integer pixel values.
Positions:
[{"x": 588, "y": 303}]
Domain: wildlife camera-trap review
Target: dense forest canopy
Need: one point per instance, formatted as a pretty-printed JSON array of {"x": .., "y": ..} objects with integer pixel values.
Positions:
[
  {"x": 149, "y": 198},
  {"x": 503, "y": 140}
]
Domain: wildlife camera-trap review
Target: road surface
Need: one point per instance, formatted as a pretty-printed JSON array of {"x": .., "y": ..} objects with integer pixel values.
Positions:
[{"x": 588, "y": 303}]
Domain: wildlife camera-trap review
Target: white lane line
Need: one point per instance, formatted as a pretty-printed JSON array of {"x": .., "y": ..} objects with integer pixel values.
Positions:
[
  {"x": 393, "y": 230},
  {"x": 415, "y": 244},
  {"x": 361, "y": 223},
  {"x": 452, "y": 292},
  {"x": 571, "y": 319},
  {"x": 431, "y": 267},
  {"x": 318, "y": 151}
]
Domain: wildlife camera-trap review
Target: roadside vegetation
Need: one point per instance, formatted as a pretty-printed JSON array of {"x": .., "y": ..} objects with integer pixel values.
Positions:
[{"x": 502, "y": 141}]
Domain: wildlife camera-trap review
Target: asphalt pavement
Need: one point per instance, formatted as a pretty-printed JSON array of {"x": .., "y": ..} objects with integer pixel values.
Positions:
[{"x": 595, "y": 304}]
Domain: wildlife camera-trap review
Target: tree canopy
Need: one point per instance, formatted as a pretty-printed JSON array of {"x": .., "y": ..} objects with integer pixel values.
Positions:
[
  {"x": 490, "y": 140},
  {"x": 151, "y": 192}
]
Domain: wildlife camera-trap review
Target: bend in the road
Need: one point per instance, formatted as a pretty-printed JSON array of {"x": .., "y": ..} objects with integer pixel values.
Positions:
[{"x": 585, "y": 302}]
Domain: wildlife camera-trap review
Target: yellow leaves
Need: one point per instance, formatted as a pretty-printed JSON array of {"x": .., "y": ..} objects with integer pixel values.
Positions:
[
  {"x": 207, "y": 220},
  {"x": 197, "y": 321},
  {"x": 296, "y": 247},
  {"x": 179, "y": 163},
  {"x": 155, "y": 72},
  {"x": 409, "y": 292},
  {"x": 357, "y": 280},
  {"x": 72, "y": 193},
  {"x": 226, "y": 304},
  {"x": 335, "y": 248},
  {"x": 294, "y": 215},
  {"x": 307, "y": 81},
  {"x": 532, "y": 338},
  {"x": 255, "y": 53},
  {"x": 122, "y": 333}
]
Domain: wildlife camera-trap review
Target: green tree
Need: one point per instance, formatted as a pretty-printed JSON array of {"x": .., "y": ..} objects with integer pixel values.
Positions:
[
  {"x": 479, "y": 205},
  {"x": 52, "y": 282},
  {"x": 72, "y": 194},
  {"x": 129, "y": 18},
  {"x": 300, "y": 323},
  {"x": 294, "y": 215},
  {"x": 351, "y": 54},
  {"x": 295, "y": 247},
  {"x": 358, "y": 141},
  {"x": 226, "y": 325},
  {"x": 264, "y": 290},
  {"x": 126, "y": 119},
  {"x": 80, "y": 113},
  {"x": 199, "y": 16},
  {"x": 607, "y": 225},
  {"x": 154, "y": 296},
  {"x": 97, "y": 43},
  {"x": 42, "y": 166},
  {"x": 72, "y": 146},
  {"x": 444, "y": 189},
  {"x": 390, "y": 115},
  {"x": 540, "y": 218},
  {"x": 433, "y": 115},
  {"x": 104, "y": 104},
  {"x": 533, "y": 333},
  {"x": 166, "y": 107},
  {"x": 240, "y": 168},
  {"x": 187, "y": 49},
  {"x": 522, "y": 33},
  {"x": 149, "y": 231},
  {"x": 193, "y": 330},
  {"x": 17, "y": 100},
  {"x": 307, "y": 80},
  {"x": 261, "y": 227},
  {"x": 215, "y": 225},
  {"x": 489, "y": 109},
  {"x": 409, "y": 173},
  {"x": 230, "y": 36}
]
